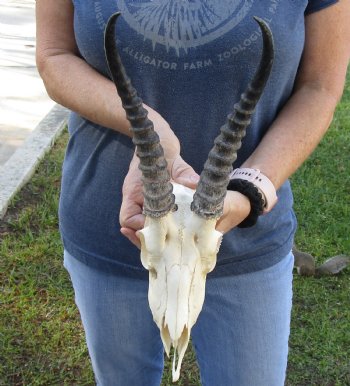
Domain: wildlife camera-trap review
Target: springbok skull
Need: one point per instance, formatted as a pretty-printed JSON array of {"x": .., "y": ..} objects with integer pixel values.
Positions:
[{"x": 179, "y": 242}]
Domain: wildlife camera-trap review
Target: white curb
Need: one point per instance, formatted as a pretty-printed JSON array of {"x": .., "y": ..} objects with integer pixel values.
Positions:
[{"x": 22, "y": 164}]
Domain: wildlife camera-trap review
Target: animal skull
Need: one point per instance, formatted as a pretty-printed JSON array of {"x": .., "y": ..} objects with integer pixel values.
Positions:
[
  {"x": 179, "y": 242},
  {"x": 179, "y": 250}
]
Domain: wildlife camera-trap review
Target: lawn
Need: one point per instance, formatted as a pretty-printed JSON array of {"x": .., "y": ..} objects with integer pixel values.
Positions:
[{"x": 41, "y": 339}]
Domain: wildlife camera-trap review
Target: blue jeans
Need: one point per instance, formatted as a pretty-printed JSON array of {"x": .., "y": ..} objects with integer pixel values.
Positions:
[{"x": 240, "y": 338}]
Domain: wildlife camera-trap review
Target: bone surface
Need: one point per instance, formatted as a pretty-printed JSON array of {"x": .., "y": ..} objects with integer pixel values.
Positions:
[{"x": 179, "y": 250}]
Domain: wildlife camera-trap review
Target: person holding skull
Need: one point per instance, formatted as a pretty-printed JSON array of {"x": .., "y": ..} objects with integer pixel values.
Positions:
[{"x": 190, "y": 62}]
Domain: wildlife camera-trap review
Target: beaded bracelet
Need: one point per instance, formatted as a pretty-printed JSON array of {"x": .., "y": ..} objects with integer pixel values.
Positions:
[{"x": 256, "y": 200}]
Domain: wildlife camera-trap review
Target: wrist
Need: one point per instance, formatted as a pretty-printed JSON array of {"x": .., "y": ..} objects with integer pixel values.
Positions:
[
  {"x": 251, "y": 192},
  {"x": 236, "y": 209},
  {"x": 261, "y": 182},
  {"x": 241, "y": 205}
]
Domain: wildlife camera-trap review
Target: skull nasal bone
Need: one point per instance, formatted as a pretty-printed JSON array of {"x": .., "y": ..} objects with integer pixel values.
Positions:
[{"x": 177, "y": 311}]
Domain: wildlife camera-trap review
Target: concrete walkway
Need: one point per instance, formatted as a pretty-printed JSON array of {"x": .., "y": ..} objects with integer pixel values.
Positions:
[{"x": 28, "y": 124}]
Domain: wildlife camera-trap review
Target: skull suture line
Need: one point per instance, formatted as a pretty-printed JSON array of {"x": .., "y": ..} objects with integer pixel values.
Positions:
[{"x": 179, "y": 242}]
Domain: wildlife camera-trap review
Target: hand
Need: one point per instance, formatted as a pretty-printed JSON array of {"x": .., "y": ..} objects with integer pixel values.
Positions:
[
  {"x": 131, "y": 217},
  {"x": 236, "y": 209}
]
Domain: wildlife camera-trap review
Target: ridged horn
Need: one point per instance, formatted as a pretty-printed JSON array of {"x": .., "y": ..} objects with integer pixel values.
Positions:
[
  {"x": 209, "y": 197},
  {"x": 157, "y": 189}
]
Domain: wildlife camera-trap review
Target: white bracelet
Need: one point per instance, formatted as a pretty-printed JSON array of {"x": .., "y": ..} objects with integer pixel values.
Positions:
[{"x": 264, "y": 185}]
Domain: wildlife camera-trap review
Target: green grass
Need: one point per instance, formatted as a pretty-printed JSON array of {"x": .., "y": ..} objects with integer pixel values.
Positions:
[
  {"x": 320, "y": 335},
  {"x": 41, "y": 339}
]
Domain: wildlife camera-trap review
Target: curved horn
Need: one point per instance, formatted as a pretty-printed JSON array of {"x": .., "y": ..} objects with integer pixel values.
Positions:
[
  {"x": 209, "y": 198},
  {"x": 157, "y": 189}
]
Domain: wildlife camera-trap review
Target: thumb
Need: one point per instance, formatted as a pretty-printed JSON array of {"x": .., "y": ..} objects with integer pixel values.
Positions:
[{"x": 183, "y": 173}]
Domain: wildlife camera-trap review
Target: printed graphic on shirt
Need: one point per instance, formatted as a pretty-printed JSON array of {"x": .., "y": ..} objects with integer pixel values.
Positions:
[{"x": 181, "y": 25}]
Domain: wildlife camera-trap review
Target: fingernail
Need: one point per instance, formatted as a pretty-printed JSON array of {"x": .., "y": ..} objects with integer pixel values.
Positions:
[{"x": 194, "y": 178}]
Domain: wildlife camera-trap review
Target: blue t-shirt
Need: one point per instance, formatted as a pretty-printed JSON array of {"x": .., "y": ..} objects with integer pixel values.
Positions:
[{"x": 190, "y": 61}]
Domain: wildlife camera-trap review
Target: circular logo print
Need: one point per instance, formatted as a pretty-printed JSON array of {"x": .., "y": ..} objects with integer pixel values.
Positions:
[{"x": 183, "y": 24}]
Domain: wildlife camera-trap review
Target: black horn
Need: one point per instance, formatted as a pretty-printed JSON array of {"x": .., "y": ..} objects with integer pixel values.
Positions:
[
  {"x": 209, "y": 197},
  {"x": 157, "y": 189}
]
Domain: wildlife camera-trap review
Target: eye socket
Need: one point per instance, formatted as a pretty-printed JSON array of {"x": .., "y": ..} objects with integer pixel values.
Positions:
[{"x": 195, "y": 238}]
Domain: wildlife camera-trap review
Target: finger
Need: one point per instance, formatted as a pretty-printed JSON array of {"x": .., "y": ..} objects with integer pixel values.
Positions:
[
  {"x": 225, "y": 224},
  {"x": 135, "y": 222},
  {"x": 183, "y": 173},
  {"x": 131, "y": 235},
  {"x": 190, "y": 181},
  {"x": 130, "y": 215}
]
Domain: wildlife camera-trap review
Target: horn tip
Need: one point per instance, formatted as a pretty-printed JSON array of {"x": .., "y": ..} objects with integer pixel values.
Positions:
[
  {"x": 263, "y": 25},
  {"x": 259, "y": 20},
  {"x": 112, "y": 19}
]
